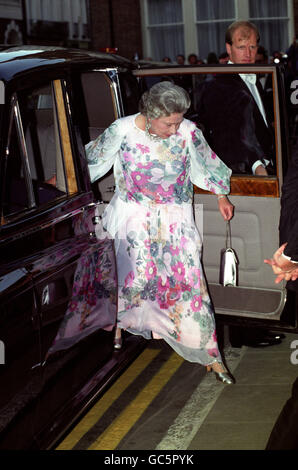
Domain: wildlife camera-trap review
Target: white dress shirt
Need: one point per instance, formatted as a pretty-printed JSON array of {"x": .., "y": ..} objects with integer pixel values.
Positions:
[{"x": 250, "y": 80}]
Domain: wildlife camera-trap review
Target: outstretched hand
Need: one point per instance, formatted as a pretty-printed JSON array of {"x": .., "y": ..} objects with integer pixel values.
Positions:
[{"x": 283, "y": 268}]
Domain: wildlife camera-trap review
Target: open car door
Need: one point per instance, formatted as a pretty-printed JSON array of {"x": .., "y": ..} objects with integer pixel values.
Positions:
[{"x": 256, "y": 300}]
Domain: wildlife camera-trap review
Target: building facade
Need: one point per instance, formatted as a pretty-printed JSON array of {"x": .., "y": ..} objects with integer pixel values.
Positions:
[
  {"x": 51, "y": 22},
  {"x": 145, "y": 28},
  {"x": 117, "y": 24},
  {"x": 11, "y": 22},
  {"x": 172, "y": 27}
]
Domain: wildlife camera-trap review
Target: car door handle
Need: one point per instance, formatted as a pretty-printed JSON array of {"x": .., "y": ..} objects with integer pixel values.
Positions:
[
  {"x": 97, "y": 219},
  {"x": 45, "y": 295}
]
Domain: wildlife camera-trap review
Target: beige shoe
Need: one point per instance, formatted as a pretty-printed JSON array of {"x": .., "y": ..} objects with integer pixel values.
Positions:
[{"x": 118, "y": 339}]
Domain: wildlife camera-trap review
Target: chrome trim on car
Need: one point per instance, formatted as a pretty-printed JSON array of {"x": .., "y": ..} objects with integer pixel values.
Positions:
[{"x": 25, "y": 158}]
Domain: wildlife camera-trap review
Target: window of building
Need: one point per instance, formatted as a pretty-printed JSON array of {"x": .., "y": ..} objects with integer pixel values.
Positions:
[
  {"x": 57, "y": 20},
  {"x": 173, "y": 27},
  {"x": 166, "y": 30},
  {"x": 212, "y": 19},
  {"x": 272, "y": 20}
]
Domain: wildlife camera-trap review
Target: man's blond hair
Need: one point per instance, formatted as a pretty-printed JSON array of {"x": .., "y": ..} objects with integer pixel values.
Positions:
[{"x": 246, "y": 28}]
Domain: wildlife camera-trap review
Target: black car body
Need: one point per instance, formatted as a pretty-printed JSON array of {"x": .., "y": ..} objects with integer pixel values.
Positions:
[{"x": 57, "y": 267}]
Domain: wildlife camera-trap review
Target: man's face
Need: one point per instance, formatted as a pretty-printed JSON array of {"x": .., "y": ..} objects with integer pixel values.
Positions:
[{"x": 244, "y": 47}]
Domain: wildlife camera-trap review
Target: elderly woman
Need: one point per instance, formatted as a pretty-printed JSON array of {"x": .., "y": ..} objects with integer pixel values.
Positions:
[{"x": 158, "y": 155}]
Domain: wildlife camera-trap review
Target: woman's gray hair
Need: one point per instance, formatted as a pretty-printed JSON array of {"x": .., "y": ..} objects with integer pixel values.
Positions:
[{"x": 163, "y": 99}]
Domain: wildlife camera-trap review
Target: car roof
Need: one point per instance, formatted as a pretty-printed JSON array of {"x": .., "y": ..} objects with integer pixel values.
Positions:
[{"x": 17, "y": 59}]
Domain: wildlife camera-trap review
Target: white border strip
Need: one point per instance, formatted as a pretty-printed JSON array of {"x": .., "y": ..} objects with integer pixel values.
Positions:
[{"x": 197, "y": 408}]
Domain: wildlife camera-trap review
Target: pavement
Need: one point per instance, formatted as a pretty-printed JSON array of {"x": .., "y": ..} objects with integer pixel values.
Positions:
[
  {"x": 241, "y": 416},
  {"x": 162, "y": 402}
]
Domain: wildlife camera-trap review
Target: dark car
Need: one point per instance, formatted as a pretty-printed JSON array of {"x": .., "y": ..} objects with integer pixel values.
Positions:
[{"x": 57, "y": 266}]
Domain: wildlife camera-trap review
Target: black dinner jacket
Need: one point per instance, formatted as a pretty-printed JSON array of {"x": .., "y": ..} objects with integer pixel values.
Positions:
[
  {"x": 288, "y": 225},
  {"x": 232, "y": 123}
]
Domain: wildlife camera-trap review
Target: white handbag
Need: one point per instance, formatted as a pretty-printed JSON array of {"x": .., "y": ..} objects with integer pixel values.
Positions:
[{"x": 228, "y": 274}]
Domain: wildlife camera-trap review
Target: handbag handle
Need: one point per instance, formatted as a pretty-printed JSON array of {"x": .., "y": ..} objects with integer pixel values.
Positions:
[{"x": 228, "y": 235}]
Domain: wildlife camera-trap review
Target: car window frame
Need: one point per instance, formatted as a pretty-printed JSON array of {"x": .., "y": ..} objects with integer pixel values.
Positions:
[
  {"x": 246, "y": 184},
  {"x": 64, "y": 136},
  {"x": 15, "y": 118},
  {"x": 111, "y": 74},
  {"x": 67, "y": 152}
]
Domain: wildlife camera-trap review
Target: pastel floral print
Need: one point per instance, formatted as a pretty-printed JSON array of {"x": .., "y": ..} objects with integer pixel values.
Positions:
[{"x": 161, "y": 287}]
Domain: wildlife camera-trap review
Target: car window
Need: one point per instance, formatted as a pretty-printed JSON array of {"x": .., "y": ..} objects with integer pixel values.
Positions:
[
  {"x": 39, "y": 167},
  {"x": 130, "y": 93},
  {"x": 100, "y": 101},
  {"x": 103, "y": 104},
  {"x": 206, "y": 87}
]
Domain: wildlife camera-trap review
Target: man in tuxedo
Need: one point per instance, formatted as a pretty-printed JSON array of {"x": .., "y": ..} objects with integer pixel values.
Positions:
[
  {"x": 284, "y": 435},
  {"x": 285, "y": 260},
  {"x": 234, "y": 122},
  {"x": 231, "y": 110}
]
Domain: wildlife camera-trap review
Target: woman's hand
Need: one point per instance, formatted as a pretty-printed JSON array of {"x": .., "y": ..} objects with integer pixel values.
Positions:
[{"x": 225, "y": 207}]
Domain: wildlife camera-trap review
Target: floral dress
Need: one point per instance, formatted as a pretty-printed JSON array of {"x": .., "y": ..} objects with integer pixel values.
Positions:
[{"x": 162, "y": 291}]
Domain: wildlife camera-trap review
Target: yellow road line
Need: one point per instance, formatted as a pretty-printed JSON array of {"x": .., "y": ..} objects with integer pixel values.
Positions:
[
  {"x": 111, "y": 437},
  {"x": 108, "y": 398}
]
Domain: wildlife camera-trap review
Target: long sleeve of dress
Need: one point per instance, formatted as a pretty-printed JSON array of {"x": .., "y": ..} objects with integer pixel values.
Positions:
[
  {"x": 207, "y": 171},
  {"x": 102, "y": 152}
]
